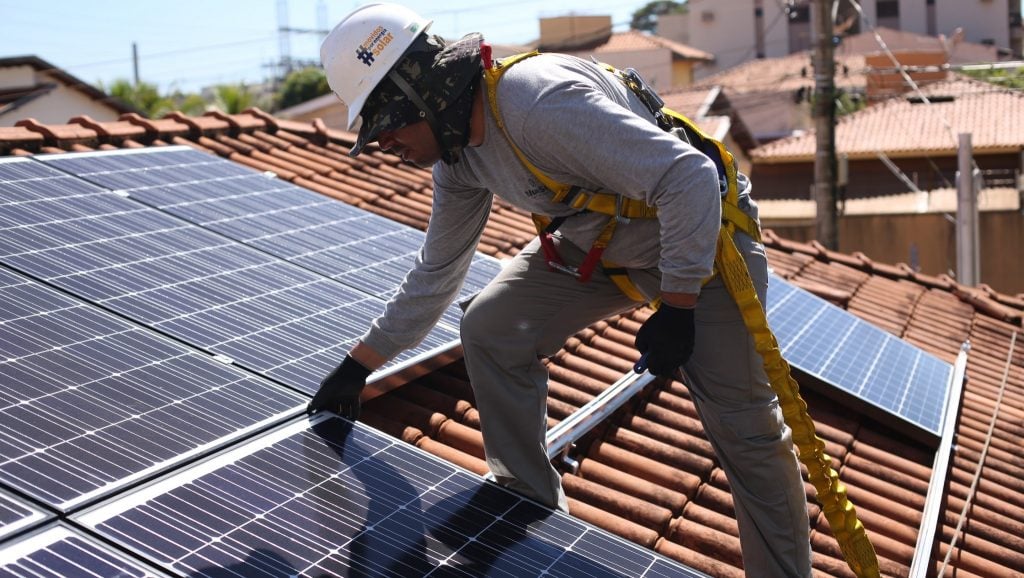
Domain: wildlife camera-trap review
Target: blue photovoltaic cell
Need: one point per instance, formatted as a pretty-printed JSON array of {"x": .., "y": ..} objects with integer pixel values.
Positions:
[
  {"x": 16, "y": 514},
  {"x": 91, "y": 402},
  {"x": 355, "y": 247},
  {"x": 337, "y": 499},
  {"x": 59, "y": 551},
  {"x": 857, "y": 358},
  {"x": 270, "y": 316}
]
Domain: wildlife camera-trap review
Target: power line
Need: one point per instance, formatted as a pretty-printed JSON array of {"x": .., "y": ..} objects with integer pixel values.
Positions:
[{"x": 177, "y": 52}]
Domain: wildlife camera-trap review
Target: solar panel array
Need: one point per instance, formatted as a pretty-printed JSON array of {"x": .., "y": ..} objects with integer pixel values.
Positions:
[
  {"x": 336, "y": 500},
  {"x": 889, "y": 376},
  {"x": 91, "y": 402},
  {"x": 268, "y": 315},
  {"x": 17, "y": 514},
  {"x": 60, "y": 551},
  {"x": 360, "y": 249},
  {"x": 165, "y": 307}
]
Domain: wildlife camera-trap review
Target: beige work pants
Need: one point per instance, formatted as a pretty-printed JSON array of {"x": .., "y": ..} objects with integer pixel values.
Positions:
[{"x": 528, "y": 311}]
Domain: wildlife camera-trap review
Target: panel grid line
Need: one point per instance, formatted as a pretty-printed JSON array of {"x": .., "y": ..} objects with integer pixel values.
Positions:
[
  {"x": 278, "y": 318},
  {"x": 326, "y": 496},
  {"x": 891, "y": 377},
  {"x": 91, "y": 402}
]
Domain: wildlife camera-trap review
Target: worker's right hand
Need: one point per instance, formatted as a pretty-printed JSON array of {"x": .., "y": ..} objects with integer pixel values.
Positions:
[
  {"x": 339, "y": 391},
  {"x": 667, "y": 338}
]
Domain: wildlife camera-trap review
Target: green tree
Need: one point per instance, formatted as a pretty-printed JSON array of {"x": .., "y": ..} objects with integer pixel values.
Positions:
[
  {"x": 191, "y": 103},
  {"x": 646, "y": 18},
  {"x": 143, "y": 96},
  {"x": 1004, "y": 77},
  {"x": 303, "y": 85},
  {"x": 233, "y": 98}
]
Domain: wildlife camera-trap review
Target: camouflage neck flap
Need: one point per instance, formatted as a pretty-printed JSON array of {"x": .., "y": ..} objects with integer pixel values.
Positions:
[{"x": 455, "y": 77}]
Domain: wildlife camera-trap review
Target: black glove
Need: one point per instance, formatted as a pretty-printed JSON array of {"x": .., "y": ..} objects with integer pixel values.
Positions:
[
  {"x": 339, "y": 391},
  {"x": 667, "y": 338}
]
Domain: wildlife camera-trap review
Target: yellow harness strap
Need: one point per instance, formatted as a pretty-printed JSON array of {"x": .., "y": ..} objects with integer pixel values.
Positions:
[{"x": 729, "y": 263}]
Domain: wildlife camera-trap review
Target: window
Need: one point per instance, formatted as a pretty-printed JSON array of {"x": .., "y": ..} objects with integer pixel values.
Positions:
[{"x": 887, "y": 9}]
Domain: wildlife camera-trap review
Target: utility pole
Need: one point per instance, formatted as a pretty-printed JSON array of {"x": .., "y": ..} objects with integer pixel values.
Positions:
[
  {"x": 824, "y": 114},
  {"x": 135, "y": 63},
  {"x": 967, "y": 254}
]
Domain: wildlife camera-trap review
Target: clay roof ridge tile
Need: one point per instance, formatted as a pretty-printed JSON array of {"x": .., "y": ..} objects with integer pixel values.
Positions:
[
  {"x": 158, "y": 128},
  {"x": 62, "y": 136},
  {"x": 201, "y": 125},
  {"x": 269, "y": 120},
  {"x": 239, "y": 122}
]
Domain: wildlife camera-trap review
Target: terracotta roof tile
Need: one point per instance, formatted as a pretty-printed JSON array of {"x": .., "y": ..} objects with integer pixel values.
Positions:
[
  {"x": 785, "y": 74},
  {"x": 648, "y": 474},
  {"x": 993, "y": 115},
  {"x": 633, "y": 41},
  {"x": 62, "y": 136}
]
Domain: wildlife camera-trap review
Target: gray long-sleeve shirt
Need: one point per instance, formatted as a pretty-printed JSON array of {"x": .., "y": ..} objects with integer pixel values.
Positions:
[{"x": 579, "y": 125}]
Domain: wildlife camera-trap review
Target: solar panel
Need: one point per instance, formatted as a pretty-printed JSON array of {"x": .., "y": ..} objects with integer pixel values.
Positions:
[
  {"x": 325, "y": 497},
  {"x": 267, "y": 315},
  {"x": 890, "y": 376},
  {"x": 360, "y": 249},
  {"x": 17, "y": 514},
  {"x": 59, "y": 551},
  {"x": 90, "y": 402}
]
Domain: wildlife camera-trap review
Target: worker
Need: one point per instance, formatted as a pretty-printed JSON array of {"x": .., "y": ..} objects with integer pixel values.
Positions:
[{"x": 426, "y": 100}]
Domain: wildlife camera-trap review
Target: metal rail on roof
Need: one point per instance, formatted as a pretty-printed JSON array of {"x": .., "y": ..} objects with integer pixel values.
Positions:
[
  {"x": 940, "y": 470},
  {"x": 968, "y": 503},
  {"x": 560, "y": 439}
]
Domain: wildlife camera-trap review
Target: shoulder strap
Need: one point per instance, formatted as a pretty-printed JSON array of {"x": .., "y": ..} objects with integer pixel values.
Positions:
[{"x": 492, "y": 74}]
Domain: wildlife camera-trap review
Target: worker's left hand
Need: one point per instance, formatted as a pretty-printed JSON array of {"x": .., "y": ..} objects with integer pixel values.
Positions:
[
  {"x": 339, "y": 391},
  {"x": 667, "y": 338}
]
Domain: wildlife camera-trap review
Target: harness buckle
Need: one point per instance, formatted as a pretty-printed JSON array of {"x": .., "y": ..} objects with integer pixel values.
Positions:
[{"x": 619, "y": 214}]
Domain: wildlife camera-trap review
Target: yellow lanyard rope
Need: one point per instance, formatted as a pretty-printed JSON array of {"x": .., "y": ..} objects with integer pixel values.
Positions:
[{"x": 841, "y": 515}]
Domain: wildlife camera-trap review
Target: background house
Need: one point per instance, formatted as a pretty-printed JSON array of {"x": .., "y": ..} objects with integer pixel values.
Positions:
[
  {"x": 909, "y": 145},
  {"x": 737, "y": 31},
  {"x": 773, "y": 94},
  {"x": 31, "y": 87},
  {"x": 665, "y": 64}
]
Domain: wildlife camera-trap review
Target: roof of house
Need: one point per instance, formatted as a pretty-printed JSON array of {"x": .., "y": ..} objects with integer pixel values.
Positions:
[
  {"x": 910, "y": 126},
  {"x": 785, "y": 74},
  {"x": 794, "y": 71},
  {"x": 957, "y": 51},
  {"x": 634, "y": 41},
  {"x": 647, "y": 473},
  {"x": 9, "y": 103},
  {"x": 711, "y": 110}
]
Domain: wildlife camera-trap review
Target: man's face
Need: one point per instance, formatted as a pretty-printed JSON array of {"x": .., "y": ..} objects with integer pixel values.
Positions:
[{"x": 415, "y": 143}]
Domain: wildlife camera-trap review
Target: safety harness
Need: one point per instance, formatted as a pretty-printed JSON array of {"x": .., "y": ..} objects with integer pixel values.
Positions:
[{"x": 729, "y": 264}]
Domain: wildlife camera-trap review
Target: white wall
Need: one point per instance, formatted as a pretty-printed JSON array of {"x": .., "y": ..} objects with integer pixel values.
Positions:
[
  {"x": 729, "y": 35},
  {"x": 776, "y": 29},
  {"x": 674, "y": 27},
  {"x": 980, "y": 19},
  {"x": 58, "y": 106},
  {"x": 914, "y": 17},
  {"x": 17, "y": 76}
]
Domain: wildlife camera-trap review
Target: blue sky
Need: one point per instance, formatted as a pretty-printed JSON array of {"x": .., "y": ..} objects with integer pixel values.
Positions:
[
  {"x": 188, "y": 44},
  {"x": 193, "y": 43}
]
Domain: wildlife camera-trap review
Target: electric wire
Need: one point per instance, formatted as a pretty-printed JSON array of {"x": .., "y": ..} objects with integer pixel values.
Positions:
[
  {"x": 981, "y": 460},
  {"x": 906, "y": 76}
]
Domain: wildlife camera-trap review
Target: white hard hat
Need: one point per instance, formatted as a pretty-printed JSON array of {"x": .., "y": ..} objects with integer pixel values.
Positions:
[{"x": 361, "y": 49}]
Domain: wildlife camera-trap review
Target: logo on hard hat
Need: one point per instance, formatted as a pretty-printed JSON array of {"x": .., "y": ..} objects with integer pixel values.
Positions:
[{"x": 374, "y": 44}]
